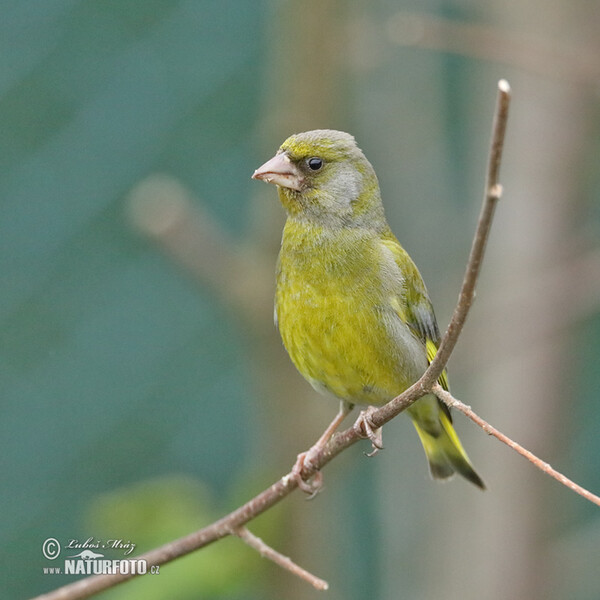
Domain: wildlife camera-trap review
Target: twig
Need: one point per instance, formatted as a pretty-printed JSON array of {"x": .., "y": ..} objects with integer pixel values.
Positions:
[
  {"x": 493, "y": 192},
  {"x": 84, "y": 588},
  {"x": 453, "y": 402},
  {"x": 234, "y": 522},
  {"x": 283, "y": 561}
]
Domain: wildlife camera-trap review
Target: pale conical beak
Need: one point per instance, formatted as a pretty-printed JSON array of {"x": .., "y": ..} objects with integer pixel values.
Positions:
[{"x": 281, "y": 171}]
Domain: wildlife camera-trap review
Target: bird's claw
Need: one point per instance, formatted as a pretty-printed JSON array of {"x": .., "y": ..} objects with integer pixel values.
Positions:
[
  {"x": 313, "y": 485},
  {"x": 365, "y": 428}
]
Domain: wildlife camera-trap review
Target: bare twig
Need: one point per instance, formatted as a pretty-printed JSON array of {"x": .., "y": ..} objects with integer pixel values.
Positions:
[
  {"x": 234, "y": 522},
  {"x": 452, "y": 402},
  {"x": 493, "y": 192},
  {"x": 279, "y": 559},
  {"x": 280, "y": 489}
]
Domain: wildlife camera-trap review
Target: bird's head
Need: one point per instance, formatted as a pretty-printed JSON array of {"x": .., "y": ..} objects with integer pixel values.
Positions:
[{"x": 324, "y": 177}]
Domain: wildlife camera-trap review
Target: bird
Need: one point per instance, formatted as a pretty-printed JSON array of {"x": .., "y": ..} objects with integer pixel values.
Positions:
[{"x": 351, "y": 307}]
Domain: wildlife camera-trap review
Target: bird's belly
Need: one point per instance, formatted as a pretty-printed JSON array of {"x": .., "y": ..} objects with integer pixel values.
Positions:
[{"x": 348, "y": 345}]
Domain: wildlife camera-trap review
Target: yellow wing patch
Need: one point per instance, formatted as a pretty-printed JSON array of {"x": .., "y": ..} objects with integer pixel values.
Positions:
[
  {"x": 431, "y": 352},
  {"x": 430, "y": 345}
]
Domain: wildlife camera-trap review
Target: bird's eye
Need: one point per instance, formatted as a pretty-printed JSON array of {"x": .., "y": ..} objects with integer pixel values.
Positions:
[{"x": 314, "y": 164}]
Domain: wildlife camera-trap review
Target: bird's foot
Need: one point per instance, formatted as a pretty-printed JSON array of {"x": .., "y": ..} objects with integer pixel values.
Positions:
[
  {"x": 365, "y": 428},
  {"x": 313, "y": 484}
]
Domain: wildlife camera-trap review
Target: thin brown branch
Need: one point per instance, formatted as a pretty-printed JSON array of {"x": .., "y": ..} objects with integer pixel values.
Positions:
[
  {"x": 453, "y": 402},
  {"x": 87, "y": 587},
  {"x": 234, "y": 522},
  {"x": 493, "y": 191},
  {"x": 283, "y": 561},
  {"x": 287, "y": 484}
]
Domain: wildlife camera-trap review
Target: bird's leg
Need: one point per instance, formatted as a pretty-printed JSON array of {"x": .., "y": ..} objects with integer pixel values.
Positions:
[
  {"x": 304, "y": 459},
  {"x": 365, "y": 427}
]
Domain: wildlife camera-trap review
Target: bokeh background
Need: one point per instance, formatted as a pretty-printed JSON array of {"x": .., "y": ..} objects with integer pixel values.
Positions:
[{"x": 144, "y": 389}]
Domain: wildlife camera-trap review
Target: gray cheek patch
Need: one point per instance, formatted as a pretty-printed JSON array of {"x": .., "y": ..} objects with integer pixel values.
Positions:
[{"x": 344, "y": 185}]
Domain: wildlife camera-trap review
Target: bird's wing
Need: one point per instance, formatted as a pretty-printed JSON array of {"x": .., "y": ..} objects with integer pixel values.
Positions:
[{"x": 414, "y": 306}]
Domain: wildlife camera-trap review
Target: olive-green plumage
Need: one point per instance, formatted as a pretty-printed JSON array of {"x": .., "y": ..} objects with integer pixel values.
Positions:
[{"x": 351, "y": 306}]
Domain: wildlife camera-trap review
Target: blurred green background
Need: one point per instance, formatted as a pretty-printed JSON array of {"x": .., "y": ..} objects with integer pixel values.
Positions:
[{"x": 144, "y": 389}]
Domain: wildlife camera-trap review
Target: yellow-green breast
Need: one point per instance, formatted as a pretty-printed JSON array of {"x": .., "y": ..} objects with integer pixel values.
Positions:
[{"x": 336, "y": 307}]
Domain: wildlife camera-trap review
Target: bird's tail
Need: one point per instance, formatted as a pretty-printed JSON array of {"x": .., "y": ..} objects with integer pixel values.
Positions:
[{"x": 445, "y": 452}]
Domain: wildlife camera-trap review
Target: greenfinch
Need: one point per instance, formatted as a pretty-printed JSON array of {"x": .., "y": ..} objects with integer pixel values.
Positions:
[{"x": 351, "y": 306}]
